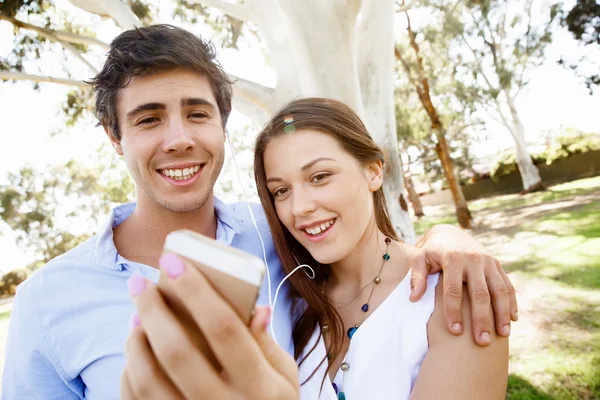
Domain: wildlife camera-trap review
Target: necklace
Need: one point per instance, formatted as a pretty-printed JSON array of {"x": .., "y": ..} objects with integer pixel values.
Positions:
[
  {"x": 365, "y": 307},
  {"x": 352, "y": 330}
]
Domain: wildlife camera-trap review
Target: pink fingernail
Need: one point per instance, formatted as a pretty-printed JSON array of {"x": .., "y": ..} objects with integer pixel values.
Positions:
[
  {"x": 172, "y": 265},
  {"x": 136, "y": 284},
  {"x": 267, "y": 317},
  {"x": 456, "y": 327},
  {"x": 485, "y": 337},
  {"x": 135, "y": 321}
]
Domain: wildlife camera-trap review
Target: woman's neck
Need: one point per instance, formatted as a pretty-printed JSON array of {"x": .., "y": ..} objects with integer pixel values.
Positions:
[{"x": 362, "y": 264}]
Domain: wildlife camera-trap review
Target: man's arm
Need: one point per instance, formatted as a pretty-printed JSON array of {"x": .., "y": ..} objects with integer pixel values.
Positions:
[
  {"x": 456, "y": 367},
  {"x": 461, "y": 258},
  {"x": 29, "y": 370}
]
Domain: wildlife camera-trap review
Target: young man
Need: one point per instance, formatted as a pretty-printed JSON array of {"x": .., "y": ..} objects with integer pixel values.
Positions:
[{"x": 164, "y": 102}]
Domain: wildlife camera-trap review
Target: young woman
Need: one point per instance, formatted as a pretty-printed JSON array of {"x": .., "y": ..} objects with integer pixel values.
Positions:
[{"x": 319, "y": 176}]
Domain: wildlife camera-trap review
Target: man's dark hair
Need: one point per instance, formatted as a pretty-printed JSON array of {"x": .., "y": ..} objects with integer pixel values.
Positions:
[{"x": 152, "y": 49}]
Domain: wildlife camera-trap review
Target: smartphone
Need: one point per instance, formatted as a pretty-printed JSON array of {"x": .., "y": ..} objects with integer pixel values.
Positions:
[{"x": 236, "y": 275}]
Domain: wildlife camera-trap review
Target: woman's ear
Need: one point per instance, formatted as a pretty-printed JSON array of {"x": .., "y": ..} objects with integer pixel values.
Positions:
[
  {"x": 116, "y": 144},
  {"x": 374, "y": 174}
]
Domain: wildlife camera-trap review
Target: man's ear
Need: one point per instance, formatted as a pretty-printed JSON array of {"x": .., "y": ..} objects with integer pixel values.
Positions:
[
  {"x": 116, "y": 144},
  {"x": 374, "y": 174}
]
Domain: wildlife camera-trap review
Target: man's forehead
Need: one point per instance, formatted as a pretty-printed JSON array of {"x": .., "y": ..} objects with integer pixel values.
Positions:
[{"x": 169, "y": 88}]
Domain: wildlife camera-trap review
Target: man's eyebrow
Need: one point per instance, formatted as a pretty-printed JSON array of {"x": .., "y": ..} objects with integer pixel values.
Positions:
[
  {"x": 197, "y": 101},
  {"x": 316, "y": 160},
  {"x": 146, "y": 107}
]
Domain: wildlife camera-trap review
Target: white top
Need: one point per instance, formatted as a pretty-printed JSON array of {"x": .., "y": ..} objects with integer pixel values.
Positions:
[{"x": 385, "y": 353}]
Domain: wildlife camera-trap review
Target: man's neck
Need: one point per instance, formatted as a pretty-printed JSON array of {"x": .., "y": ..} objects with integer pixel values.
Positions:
[{"x": 141, "y": 237}]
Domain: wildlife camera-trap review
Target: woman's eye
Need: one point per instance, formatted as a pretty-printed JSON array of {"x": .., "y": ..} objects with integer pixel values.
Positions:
[
  {"x": 280, "y": 192},
  {"x": 320, "y": 177},
  {"x": 148, "y": 121}
]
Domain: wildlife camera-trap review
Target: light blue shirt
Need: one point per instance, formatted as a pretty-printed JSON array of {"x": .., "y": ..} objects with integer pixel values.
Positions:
[{"x": 71, "y": 318}]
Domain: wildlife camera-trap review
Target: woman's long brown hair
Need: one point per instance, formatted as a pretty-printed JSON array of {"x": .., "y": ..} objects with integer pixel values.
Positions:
[{"x": 339, "y": 121}]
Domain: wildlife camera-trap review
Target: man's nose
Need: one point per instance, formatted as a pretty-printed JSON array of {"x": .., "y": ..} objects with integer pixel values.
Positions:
[{"x": 178, "y": 137}]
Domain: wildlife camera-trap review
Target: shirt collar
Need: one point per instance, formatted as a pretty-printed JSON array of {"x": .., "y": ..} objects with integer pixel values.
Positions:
[{"x": 229, "y": 224}]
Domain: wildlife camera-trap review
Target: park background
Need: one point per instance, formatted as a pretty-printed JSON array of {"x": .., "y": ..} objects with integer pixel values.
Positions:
[{"x": 456, "y": 92}]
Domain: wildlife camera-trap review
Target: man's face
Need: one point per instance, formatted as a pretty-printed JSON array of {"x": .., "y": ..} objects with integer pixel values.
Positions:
[{"x": 172, "y": 138}]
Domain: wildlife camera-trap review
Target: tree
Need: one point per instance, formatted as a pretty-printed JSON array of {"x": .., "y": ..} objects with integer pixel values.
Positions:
[
  {"x": 583, "y": 21},
  {"x": 346, "y": 54},
  {"x": 39, "y": 205},
  {"x": 418, "y": 77},
  {"x": 499, "y": 44}
]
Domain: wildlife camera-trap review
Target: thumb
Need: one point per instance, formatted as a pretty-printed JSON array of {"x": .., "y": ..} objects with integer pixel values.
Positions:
[
  {"x": 418, "y": 278},
  {"x": 281, "y": 361}
]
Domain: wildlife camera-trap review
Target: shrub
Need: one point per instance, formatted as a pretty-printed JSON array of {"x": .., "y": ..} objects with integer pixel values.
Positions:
[
  {"x": 569, "y": 143},
  {"x": 10, "y": 281}
]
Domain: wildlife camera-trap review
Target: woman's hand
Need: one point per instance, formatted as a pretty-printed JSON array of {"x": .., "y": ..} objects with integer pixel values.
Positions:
[
  {"x": 461, "y": 258},
  {"x": 163, "y": 363}
]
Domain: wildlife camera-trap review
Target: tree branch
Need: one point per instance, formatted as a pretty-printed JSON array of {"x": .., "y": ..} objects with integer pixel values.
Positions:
[
  {"x": 500, "y": 120},
  {"x": 406, "y": 67},
  {"x": 262, "y": 96},
  {"x": 237, "y": 11},
  {"x": 527, "y": 45},
  {"x": 56, "y": 35},
  {"x": 20, "y": 76},
  {"x": 480, "y": 67},
  {"x": 405, "y": 5},
  {"x": 77, "y": 53},
  {"x": 114, "y": 9}
]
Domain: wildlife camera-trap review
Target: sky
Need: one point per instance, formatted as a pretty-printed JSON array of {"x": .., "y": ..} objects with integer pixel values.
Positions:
[{"x": 27, "y": 117}]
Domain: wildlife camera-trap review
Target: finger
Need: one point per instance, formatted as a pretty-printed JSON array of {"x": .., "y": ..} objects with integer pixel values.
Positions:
[
  {"x": 499, "y": 293},
  {"x": 282, "y": 362},
  {"x": 480, "y": 308},
  {"x": 418, "y": 278},
  {"x": 229, "y": 338},
  {"x": 512, "y": 295},
  {"x": 453, "y": 292},
  {"x": 126, "y": 389},
  {"x": 177, "y": 355},
  {"x": 146, "y": 378}
]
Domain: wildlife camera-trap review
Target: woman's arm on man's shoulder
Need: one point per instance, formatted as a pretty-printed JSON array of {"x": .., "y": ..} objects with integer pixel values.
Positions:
[{"x": 455, "y": 367}]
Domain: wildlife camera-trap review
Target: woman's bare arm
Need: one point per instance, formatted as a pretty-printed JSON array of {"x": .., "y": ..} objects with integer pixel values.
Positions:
[{"x": 455, "y": 367}]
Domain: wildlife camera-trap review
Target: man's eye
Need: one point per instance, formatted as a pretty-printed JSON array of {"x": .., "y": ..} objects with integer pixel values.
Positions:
[
  {"x": 199, "y": 115},
  {"x": 148, "y": 121}
]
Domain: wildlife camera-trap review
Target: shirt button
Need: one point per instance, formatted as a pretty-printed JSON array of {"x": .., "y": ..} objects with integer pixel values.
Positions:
[{"x": 345, "y": 366}]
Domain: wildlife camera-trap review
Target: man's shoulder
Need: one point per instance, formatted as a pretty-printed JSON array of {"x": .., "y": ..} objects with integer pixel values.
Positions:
[
  {"x": 242, "y": 207},
  {"x": 59, "y": 269}
]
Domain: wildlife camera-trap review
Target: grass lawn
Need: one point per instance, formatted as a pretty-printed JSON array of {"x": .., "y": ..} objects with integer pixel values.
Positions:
[{"x": 550, "y": 244}]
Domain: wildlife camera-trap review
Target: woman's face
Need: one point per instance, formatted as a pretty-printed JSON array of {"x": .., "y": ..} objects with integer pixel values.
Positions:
[{"x": 322, "y": 194}]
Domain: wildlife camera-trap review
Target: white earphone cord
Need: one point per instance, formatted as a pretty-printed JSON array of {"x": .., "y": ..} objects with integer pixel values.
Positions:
[{"x": 272, "y": 302}]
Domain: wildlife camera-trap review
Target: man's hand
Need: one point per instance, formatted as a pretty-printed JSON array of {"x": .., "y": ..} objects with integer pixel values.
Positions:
[
  {"x": 461, "y": 258},
  {"x": 163, "y": 363}
]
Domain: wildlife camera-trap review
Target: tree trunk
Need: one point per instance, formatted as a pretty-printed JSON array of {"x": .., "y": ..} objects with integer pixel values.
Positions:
[
  {"x": 530, "y": 175},
  {"x": 421, "y": 83},
  {"x": 413, "y": 196},
  {"x": 463, "y": 215},
  {"x": 343, "y": 57}
]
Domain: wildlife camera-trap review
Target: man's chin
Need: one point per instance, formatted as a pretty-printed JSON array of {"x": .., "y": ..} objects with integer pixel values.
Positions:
[
  {"x": 183, "y": 208},
  {"x": 183, "y": 205}
]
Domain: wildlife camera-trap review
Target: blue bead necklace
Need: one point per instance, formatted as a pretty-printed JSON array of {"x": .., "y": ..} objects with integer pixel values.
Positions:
[{"x": 365, "y": 308}]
